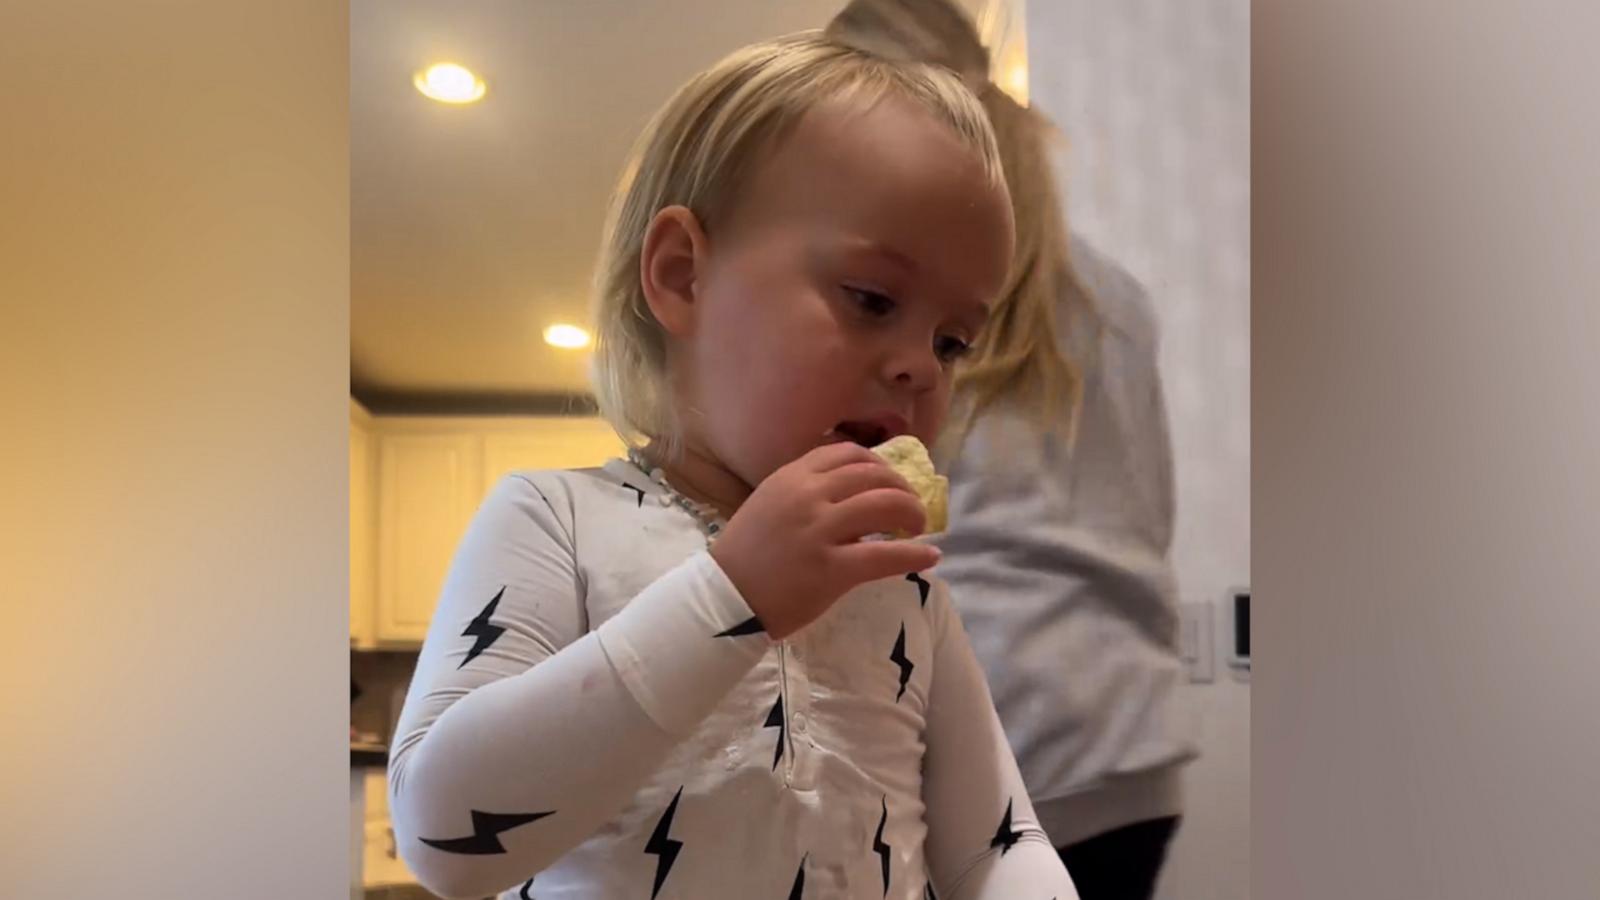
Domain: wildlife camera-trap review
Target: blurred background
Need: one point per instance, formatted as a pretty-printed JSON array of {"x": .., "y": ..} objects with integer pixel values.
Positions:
[{"x": 476, "y": 200}]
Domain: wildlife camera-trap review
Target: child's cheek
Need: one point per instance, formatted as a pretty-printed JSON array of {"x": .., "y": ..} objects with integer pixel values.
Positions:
[{"x": 835, "y": 353}]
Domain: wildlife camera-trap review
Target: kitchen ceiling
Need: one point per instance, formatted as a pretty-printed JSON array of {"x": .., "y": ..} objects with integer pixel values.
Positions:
[{"x": 474, "y": 227}]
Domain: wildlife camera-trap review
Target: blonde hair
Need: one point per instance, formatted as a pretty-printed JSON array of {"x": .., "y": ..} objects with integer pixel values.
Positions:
[
  {"x": 1018, "y": 358},
  {"x": 696, "y": 152}
]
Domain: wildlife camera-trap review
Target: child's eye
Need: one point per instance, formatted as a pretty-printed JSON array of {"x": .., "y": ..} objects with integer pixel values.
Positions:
[
  {"x": 950, "y": 349},
  {"x": 871, "y": 302}
]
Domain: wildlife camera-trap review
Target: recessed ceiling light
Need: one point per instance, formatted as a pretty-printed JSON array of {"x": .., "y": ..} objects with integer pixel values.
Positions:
[
  {"x": 450, "y": 83},
  {"x": 568, "y": 337}
]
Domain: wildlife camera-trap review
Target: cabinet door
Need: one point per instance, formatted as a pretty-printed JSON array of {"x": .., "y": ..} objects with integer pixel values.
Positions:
[
  {"x": 381, "y": 865},
  {"x": 549, "y": 443},
  {"x": 363, "y": 559},
  {"x": 429, "y": 486}
]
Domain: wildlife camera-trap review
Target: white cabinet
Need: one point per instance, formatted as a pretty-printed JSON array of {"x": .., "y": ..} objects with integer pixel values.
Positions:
[
  {"x": 428, "y": 487},
  {"x": 363, "y": 530},
  {"x": 381, "y": 865},
  {"x": 548, "y": 443},
  {"x": 415, "y": 483}
]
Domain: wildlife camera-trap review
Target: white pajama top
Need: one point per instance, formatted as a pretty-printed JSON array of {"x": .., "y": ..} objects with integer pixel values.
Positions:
[{"x": 597, "y": 714}]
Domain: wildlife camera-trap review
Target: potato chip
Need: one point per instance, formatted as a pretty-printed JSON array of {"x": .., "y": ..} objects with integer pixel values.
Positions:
[{"x": 907, "y": 455}]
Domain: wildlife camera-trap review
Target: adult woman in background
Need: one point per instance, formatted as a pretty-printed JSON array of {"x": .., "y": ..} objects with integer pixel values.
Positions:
[{"x": 1061, "y": 505}]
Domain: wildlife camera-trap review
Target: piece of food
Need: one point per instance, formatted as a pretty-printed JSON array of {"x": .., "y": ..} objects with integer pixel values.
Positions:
[{"x": 907, "y": 455}]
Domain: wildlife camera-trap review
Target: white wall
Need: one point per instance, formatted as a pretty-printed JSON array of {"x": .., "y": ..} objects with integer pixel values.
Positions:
[{"x": 1154, "y": 99}]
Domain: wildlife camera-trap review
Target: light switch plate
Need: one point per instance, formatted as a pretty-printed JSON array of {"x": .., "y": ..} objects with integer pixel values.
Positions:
[
  {"x": 1238, "y": 636},
  {"x": 1196, "y": 645}
]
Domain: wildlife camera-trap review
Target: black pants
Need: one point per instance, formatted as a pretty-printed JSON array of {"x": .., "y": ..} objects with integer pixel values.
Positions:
[{"x": 1121, "y": 864}]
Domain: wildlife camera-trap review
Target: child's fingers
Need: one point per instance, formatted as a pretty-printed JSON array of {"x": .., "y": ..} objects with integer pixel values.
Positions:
[
  {"x": 859, "y": 477},
  {"x": 871, "y": 560},
  {"x": 832, "y": 456},
  {"x": 877, "y": 511}
]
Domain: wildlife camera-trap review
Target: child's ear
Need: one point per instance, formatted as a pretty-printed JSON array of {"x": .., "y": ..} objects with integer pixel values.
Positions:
[{"x": 670, "y": 266}]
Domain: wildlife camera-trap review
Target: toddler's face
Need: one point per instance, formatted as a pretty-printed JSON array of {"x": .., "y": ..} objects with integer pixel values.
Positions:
[{"x": 837, "y": 295}]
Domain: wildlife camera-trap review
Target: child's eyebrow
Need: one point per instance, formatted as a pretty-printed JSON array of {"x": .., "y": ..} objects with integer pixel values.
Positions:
[
  {"x": 867, "y": 247},
  {"x": 977, "y": 313},
  {"x": 895, "y": 256}
]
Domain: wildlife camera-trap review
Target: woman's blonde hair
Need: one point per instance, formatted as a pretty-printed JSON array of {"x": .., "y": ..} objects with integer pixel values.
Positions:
[
  {"x": 1018, "y": 359},
  {"x": 696, "y": 152}
]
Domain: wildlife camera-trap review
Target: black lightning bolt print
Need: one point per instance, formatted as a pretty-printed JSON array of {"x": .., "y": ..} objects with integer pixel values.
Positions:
[
  {"x": 798, "y": 891},
  {"x": 751, "y": 625},
  {"x": 639, "y": 491},
  {"x": 898, "y": 657},
  {"x": 486, "y": 830},
  {"x": 928, "y": 894},
  {"x": 880, "y": 848},
  {"x": 1004, "y": 837},
  {"x": 663, "y": 847},
  {"x": 526, "y": 892},
  {"x": 922, "y": 587},
  {"x": 483, "y": 631},
  {"x": 776, "y": 720}
]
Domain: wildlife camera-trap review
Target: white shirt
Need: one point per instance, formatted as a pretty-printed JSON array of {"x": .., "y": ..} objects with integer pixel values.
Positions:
[{"x": 597, "y": 714}]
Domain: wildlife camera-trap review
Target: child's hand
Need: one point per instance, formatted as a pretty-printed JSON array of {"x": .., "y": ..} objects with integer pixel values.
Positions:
[{"x": 795, "y": 546}]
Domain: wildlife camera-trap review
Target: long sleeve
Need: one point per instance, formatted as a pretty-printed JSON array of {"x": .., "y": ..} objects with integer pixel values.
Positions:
[
  {"x": 524, "y": 731},
  {"x": 984, "y": 842}
]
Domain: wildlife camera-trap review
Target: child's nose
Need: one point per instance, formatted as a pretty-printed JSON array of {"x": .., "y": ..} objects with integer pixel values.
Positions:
[{"x": 915, "y": 367}]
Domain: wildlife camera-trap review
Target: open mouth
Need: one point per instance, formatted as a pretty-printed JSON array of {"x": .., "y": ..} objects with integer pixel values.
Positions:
[{"x": 867, "y": 434}]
